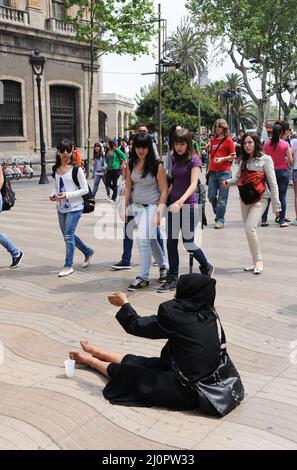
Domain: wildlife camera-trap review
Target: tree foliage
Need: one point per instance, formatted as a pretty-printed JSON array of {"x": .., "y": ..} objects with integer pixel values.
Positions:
[
  {"x": 180, "y": 102},
  {"x": 188, "y": 48},
  {"x": 263, "y": 32},
  {"x": 117, "y": 26}
]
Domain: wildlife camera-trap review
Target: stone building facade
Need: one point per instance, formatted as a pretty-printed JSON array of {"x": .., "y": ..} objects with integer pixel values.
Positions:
[
  {"x": 26, "y": 25},
  {"x": 115, "y": 112}
]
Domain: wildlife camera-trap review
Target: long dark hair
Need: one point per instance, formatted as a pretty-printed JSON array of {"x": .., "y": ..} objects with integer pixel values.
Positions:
[
  {"x": 258, "y": 152},
  {"x": 277, "y": 131},
  {"x": 172, "y": 133},
  {"x": 99, "y": 154},
  {"x": 183, "y": 136},
  {"x": 142, "y": 140},
  {"x": 64, "y": 144}
]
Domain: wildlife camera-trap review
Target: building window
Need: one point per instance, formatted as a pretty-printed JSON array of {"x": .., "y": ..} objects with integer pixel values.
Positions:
[
  {"x": 63, "y": 114},
  {"x": 11, "y": 113},
  {"x": 58, "y": 9}
]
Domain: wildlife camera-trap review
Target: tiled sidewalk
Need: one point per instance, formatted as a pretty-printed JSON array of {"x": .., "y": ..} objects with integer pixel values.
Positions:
[{"x": 43, "y": 316}]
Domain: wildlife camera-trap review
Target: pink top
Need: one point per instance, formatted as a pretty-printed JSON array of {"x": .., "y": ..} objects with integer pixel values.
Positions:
[{"x": 278, "y": 154}]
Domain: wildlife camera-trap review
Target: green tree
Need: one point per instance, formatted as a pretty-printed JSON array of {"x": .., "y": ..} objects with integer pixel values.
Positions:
[
  {"x": 263, "y": 32},
  {"x": 188, "y": 48},
  {"x": 181, "y": 102},
  {"x": 111, "y": 26}
]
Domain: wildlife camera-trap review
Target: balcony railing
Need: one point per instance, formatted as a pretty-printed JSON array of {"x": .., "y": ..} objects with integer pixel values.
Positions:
[
  {"x": 10, "y": 15},
  {"x": 58, "y": 26}
]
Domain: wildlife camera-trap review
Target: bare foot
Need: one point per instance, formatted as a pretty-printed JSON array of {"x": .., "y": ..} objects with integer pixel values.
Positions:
[
  {"x": 82, "y": 358},
  {"x": 96, "y": 352}
]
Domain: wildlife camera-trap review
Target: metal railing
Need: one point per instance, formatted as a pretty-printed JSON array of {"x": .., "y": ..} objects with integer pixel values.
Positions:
[{"x": 12, "y": 15}]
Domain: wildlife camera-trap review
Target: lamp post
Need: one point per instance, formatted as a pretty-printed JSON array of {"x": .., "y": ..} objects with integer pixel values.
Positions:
[
  {"x": 229, "y": 95},
  {"x": 37, "y": 61},
  {"x": 163, "y": 63}
]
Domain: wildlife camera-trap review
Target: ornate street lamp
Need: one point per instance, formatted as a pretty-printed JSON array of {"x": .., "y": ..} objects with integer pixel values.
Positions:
[{"x": 37, "y": 61}]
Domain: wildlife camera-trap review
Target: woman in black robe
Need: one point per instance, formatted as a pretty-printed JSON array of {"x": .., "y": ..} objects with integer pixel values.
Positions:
[{"x": 189, "y": 324}]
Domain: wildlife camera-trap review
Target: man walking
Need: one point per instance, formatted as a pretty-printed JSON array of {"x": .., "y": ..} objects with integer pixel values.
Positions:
[{"x": 222, "y": 152}]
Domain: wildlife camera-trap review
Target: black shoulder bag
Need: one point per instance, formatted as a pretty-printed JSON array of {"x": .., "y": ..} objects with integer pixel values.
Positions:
[
  {"x": 220, "y": 392},
  {"x": 89, "y": 200}
]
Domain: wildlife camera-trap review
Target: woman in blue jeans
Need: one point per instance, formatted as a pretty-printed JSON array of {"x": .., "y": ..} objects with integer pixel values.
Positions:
[
  {"x": 69, "y": 204},
  {"x": 15, "y": 253},
  {"x": 281, "y": 154},
  {"x": 147, "y": 184}
]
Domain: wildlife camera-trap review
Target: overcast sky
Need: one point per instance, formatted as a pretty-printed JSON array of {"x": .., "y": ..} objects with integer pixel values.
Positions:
[{"x": 122, "y": 75}]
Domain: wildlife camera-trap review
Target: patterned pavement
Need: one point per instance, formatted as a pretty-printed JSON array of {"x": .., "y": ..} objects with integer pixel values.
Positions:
[{"x": 43, "y": 316}]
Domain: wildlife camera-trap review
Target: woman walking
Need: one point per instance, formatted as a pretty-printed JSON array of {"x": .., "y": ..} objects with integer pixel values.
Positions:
[
  {"x": 70, "y": 204},
  {"x": 16, "y": 254},
  {"x": 114, "y": 158},
  {"x": 99, "y": 169},
  {"x": 281, "y": 154},
  {"x": 256, "y": 169},
  {"x": 183, "y": 214},
  {"x": 147, "y": 184}
]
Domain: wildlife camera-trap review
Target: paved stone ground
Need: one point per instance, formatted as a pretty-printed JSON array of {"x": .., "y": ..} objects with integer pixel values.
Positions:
[{"x": 42, "y": 317}]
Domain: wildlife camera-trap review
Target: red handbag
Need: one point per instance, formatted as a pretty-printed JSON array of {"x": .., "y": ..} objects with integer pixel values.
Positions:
[{"x": 251, "y": 185}]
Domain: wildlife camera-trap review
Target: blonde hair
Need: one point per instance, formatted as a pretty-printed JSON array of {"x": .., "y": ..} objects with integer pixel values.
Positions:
[{"x": 223, "y": 123}]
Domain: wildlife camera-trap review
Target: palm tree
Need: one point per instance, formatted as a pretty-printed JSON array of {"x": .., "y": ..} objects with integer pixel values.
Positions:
[{"x": 187, "y": 47}]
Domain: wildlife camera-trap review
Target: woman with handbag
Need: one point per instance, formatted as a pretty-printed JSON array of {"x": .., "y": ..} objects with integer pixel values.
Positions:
[
  {"x": 255, "y": 170},
  {"x": 189, "y": 324}
]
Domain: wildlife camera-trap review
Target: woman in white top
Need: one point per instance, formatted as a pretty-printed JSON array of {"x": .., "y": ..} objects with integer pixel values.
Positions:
[
  {"x": 255, "y": 171},
  {"x": 70, "y": 204}
]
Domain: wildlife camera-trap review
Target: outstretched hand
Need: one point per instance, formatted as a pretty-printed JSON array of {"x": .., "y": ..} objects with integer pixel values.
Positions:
[{"x": 118, "y": 299}]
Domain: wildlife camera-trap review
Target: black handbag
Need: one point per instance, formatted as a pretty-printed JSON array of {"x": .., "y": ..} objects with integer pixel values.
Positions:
[
  {"x": 248, "y": 193},
  {"x": 221, "y": 391}
]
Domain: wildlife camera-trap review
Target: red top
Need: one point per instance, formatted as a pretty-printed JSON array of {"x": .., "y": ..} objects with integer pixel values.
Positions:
[
  {"x": 226, "y": 148},
  {"x": 278, "y": 154}
]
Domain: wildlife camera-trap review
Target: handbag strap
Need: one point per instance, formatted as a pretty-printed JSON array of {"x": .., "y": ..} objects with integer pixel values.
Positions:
[
  {"x": 181, "y": 378},
  {"x": 222, "y": 141}
]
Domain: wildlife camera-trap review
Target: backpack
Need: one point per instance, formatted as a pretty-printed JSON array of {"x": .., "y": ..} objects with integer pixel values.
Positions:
[
  {"x": 89, "y": 200},
  {"x": 8, "y": 195}
]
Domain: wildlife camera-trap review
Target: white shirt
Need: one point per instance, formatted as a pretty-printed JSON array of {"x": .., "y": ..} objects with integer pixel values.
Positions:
[{"x": 65, "y": 183}]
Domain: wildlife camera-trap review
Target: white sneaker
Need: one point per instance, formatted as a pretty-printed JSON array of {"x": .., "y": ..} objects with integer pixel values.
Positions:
[
  {"x": 219, "y": 225},
  {"x": 294, "y": 222},
  {"x": 65, "y": 272}
]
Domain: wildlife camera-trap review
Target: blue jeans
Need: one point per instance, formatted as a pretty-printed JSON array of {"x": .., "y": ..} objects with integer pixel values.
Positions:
[
  {"x": 68, "y": 222},
  {"x": 97, "y": 179},
  {"x": 185, "y": 220},
  {"x": 282, "y": 178},
  {"x": 147, "y": 240},
  {"x": 13, "y": 250},
  {"x": 128, "y": 240},
  {"x": 217, "y": 194}
]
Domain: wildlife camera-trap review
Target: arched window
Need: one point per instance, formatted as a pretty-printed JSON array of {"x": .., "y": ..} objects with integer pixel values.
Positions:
[{"x": 11, "y": 113}]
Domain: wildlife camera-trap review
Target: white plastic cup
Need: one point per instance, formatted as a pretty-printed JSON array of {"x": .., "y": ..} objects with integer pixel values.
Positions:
[{"x": 69, "y": 368}]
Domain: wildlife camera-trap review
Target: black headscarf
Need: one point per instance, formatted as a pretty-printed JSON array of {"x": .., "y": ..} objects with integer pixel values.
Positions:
[{"x": 195, "y": 292}]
